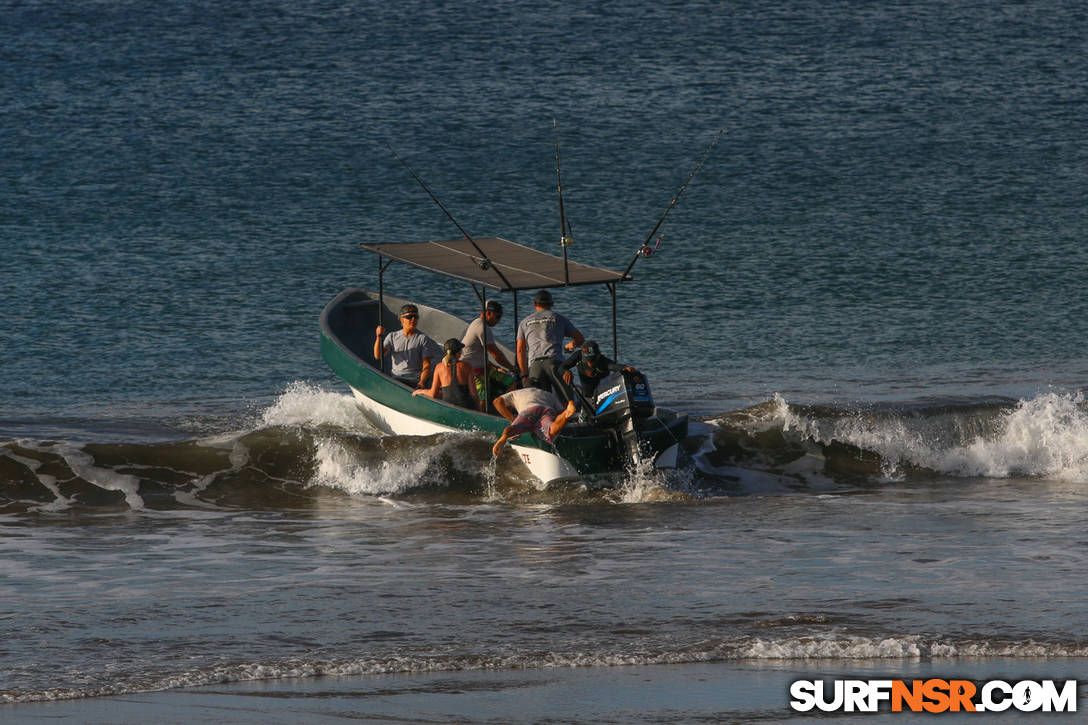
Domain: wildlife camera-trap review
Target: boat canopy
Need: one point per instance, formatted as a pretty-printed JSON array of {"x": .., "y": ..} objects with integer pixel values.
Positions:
[{"x": 496, "y": 263}]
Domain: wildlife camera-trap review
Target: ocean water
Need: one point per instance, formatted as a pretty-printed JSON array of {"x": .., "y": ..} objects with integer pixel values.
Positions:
[{"x": 871, "y": 299}]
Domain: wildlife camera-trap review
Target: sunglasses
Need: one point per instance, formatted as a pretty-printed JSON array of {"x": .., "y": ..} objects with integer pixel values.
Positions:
[{"x": 410, "y": 316}]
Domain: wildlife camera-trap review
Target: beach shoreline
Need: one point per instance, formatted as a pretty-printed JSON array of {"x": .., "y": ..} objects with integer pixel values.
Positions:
[{"x": 749, "y": 691}]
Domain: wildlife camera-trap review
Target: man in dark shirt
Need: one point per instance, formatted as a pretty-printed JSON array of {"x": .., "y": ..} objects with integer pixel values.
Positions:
[{"x": 593, "y": 367}]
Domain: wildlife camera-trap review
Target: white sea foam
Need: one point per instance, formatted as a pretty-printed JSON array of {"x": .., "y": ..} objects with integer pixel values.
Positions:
[
  {"x": 239, "y": 457},
  {"x": 307, "y": 405},
  {"x": 50, "y": 482},
  {"x": 908, "y": 647},
  {"x": 1044, "y": 436},
  {"x": 337, "y": 466},
  {"x": 643, "y": 483},
  {"x": 82, "y": 464},
  {"x": 800, "y": 648}
]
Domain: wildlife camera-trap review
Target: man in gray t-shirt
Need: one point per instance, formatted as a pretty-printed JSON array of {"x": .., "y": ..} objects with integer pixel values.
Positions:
[
  {"x": 410, "y": 351},
  {"x": 480, "y": 341},
  {"x": 540, "y": 346}
]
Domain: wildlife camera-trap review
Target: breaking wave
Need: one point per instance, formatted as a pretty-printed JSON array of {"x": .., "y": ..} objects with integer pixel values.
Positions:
[
  {"x": 1045, "y": 436},
  {"x": 313, "y": 443},
  {"x": 309, "y": 443}
]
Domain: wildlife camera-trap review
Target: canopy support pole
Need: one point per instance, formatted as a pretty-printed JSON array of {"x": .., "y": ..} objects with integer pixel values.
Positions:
[
  {"x": 487, "y": 355},
  {"x": 615, "y": 335},
  {"x": 381, "y": 310},
  {"x": 517, "y": 367}
]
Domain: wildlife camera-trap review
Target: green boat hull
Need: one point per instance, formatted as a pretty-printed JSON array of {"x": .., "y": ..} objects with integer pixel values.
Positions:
[{"x": 583, "y": 451}]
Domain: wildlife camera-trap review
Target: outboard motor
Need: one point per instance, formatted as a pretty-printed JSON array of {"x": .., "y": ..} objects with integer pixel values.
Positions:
[{"x": 622, "y": 401}]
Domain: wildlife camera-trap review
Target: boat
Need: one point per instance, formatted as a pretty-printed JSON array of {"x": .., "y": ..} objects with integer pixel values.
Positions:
[
  {"x": 626, "y": 427},
  {"x": 620, "y": 429}
]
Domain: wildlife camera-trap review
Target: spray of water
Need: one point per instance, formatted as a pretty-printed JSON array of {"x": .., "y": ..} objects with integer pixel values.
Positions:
[
  {"x": 303, "y": 404},
  {"x": 489, "y": 478}
]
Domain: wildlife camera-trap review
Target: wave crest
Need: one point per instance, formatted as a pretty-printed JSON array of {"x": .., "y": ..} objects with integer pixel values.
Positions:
[
  {"x": 1045, "y": 436},
  {"x": 311, "y": 442}
]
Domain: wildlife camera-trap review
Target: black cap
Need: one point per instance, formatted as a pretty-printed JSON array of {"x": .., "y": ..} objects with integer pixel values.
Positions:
[
  {"x": 493, "y": 306},
  {"x": 590, "y": 350},
  {"x": 543, "y": 298}
]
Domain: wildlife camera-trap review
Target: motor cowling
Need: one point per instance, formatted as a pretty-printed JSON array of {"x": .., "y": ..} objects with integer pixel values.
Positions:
[{"x": 621, "y": 402}]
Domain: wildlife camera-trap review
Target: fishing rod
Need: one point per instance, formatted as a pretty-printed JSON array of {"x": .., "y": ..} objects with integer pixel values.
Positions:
[
  {"x": 646, "y": 250},
  {"x": 564, "y": 239},
  {"x": 485, "y": 262}
]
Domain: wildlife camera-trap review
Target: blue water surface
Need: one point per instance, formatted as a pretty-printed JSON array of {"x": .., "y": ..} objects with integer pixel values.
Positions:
[
  {"x": 890, "y": 237},
  {"x": 895, "y": 208}
]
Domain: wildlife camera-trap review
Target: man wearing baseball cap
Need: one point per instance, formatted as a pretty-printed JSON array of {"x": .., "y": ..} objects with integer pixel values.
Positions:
[
  {"x": 540, "y": 346},
  {"x": 478, "y": 338},
  {"x": 592, "y": 366},
  {"x": 409, "y": 350}
]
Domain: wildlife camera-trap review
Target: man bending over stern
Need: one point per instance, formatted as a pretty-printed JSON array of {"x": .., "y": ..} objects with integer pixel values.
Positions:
[
  {"x": 409, "y": 350},
  {"x": 531, "y": 410}
]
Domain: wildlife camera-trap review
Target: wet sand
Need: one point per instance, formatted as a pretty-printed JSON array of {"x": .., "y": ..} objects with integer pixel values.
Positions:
[{"x": 689, "y": 693}]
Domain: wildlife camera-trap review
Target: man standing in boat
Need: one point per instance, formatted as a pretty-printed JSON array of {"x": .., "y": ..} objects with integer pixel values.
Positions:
[
  {"x": 409, "y": 350},
  {"x": 540, "y": 346},
  {"x": 479, "y": 337}
]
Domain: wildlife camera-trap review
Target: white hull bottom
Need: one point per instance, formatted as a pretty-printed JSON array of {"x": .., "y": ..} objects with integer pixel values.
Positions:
[{"x": 548, "y": 467}]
